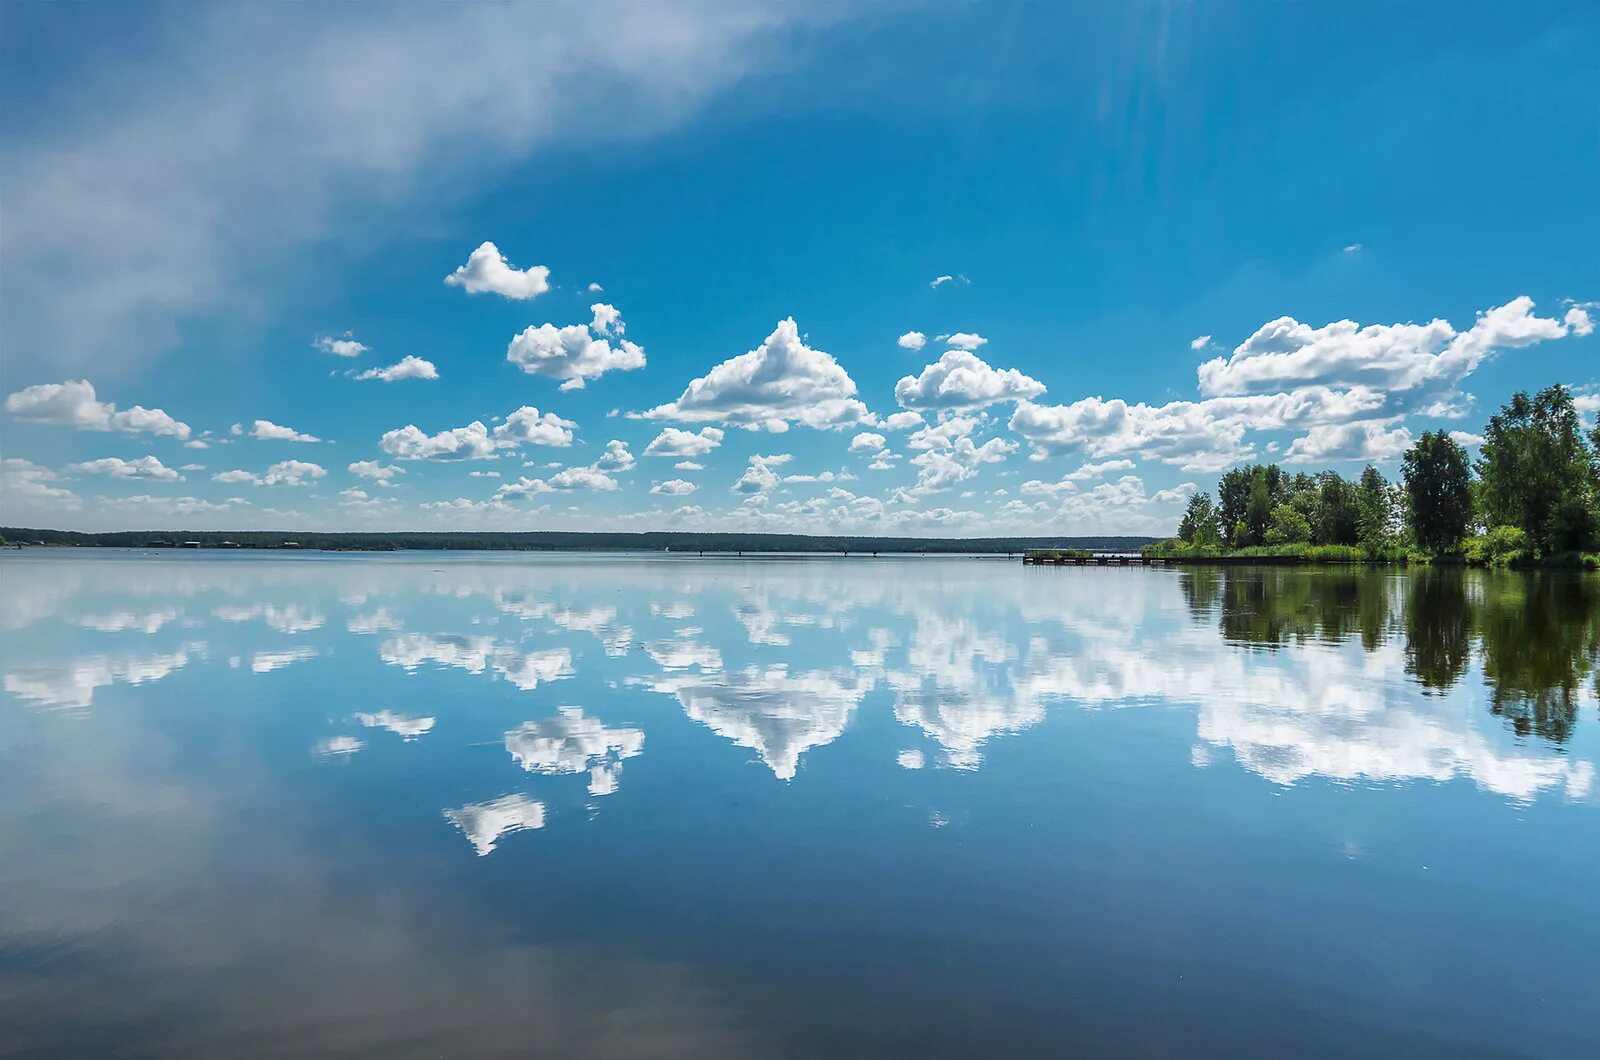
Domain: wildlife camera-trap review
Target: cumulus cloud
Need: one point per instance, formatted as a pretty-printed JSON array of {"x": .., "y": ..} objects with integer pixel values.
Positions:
[
  {"x": 866, "y": 441},
  {"x": 144, "y": 467},
  {"x": 1370, "y": 441},
  {"x": 408, "y": 367},
  {"x": 899, "y": 421},
  {"x": 961, "y": 380},
  {"x": 382, "y": 474},
  {"x": 346, "y": 346},
  {"x": 24, "y": 480},
  {"x": 283, "y": 473},
  {"x": 74, "y": 404},
  {"x": 912, "y": 340},
  {"x": 964, "y": 340},
  {"x": 268, "y": 431},
  {"x": 475, "y": 441},
  {"x": 673, "y": 441},
  {"x": 944, "y": 467},
  {"x": 578, "y": 352},
  {"x": 572, "y": 478},
  {"x": 1200, "y": 343},
  {"x": 673, "y": 487},
  {"x": 780, "y": 381},
  {"x": 760, "y": 476},
  {"x": 616, "y": 457},
  {"x": 607, "y": 320},
  {"x": 488, "y": 272},
  {"x": 1429, "y": 359}
]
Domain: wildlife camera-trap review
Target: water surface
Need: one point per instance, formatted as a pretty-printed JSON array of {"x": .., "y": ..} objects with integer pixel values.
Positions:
[{"x": 497, "y": 804}]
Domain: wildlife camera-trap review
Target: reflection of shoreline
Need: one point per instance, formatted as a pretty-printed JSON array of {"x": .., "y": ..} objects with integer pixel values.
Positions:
[{"x": 1350, "y": 674}]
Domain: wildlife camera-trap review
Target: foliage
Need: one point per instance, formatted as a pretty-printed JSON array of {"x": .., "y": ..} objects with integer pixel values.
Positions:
[
  {"x": 1200, "y": 525},
  {"x": 1540, "y": 474},
  {"x": 1288, "y": 526},
  {"x": 1438, "y": 492},
  {"x": 1500, "y": 546}
]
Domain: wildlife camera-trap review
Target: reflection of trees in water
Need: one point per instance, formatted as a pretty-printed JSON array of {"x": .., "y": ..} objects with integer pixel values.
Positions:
[
  {"x": 1274, "y": 607},
  {"x": 1438, "y": 627},
  {"x": 1538, "y": 634},
  {"x": 1541, "y": 641}
]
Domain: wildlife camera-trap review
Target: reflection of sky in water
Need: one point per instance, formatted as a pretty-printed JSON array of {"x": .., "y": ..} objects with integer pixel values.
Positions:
[{"x": 776, "y": 718}]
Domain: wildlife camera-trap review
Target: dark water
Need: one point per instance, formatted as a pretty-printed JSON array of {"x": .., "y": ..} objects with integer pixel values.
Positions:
[{"x": 468, "y": 805}]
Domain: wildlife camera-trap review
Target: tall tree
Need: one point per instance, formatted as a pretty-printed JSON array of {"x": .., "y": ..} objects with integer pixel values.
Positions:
[
  {"x": 1375, "y": 503},
  {"x": 1438, "y": 489},
  {"x": 1199, "y": 523},
  {"x": 1233, "y": 496},
  {"x": 1338, "y": 515},
  {"x": 1540, "y": 473}
]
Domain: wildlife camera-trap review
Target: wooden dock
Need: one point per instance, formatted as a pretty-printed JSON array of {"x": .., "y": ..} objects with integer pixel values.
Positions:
[{"x": 1098, "y": 559}]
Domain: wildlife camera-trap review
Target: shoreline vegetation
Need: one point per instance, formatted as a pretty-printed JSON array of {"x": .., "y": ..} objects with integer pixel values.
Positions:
[
  {"x": 552, "y": 541},
  {"x": 1531, "y": 499}
]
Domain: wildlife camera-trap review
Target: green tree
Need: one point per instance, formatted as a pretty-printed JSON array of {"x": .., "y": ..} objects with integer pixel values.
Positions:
[
  {"x": 1338, "y": 514},
  {"x": 1540, "y": 474},
  {"x": 1288, "y": 526},
  {"x": 1438, "y": 492},
  {"x": 1375, "y": 505},
  {"x": 1199, "y": 525},
  {"x": 1233, "y": 496}
]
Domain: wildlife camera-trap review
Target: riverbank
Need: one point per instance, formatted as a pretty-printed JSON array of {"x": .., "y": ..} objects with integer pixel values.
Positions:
[{"x": 1312, "y": 555}]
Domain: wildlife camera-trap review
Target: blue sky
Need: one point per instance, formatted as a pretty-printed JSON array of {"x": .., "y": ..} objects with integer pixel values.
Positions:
[{"x": 202, "y": 202}]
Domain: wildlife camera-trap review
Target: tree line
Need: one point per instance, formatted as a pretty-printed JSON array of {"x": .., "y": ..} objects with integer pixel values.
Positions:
[{"x": 1532, "y": 494}]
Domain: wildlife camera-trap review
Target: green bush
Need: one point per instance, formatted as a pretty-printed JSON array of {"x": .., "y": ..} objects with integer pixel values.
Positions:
[{"x": 1501, "y": 546}]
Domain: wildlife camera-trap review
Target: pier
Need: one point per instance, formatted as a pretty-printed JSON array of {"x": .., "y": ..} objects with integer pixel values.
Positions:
[{"x": 1093, "y": 558}]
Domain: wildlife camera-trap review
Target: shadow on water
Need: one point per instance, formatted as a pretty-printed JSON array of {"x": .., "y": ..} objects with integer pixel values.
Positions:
[{"x": 1536, "y": 636}]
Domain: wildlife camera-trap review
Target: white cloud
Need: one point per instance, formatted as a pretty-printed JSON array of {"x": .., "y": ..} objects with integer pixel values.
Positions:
[
  {"x": 688, "y": 465},
  {"x": 74, "y": 404},
  {"x": 1068, "y": 483},
  {"x": 674, "y": 487},
  {"x": 760, "y": 477},
  {"x": 408, "y": 367},
  {"x": 574, "y": 353},
  {"x": 781, "y": 380},
  {"x": 1200, "y": 343},
  {"x": 471, "y": 442},
  {"x": 607, "y": 320},
  {"x": 266, "y": 430},
  {"x": 25, "y": 480},
  {"x": 594, "y": 288},
  {"x": 912, "y": 340},
  {"x": 942, "y": 434},
  {"x": 1353, "y": 248},
  {"x": 1578, "y": 321},
  {"x": 283, "y": 473},
  {"x": 475, "y": 441},
  {"x": 1371, "y": 441},
  {"x": 964, "y": 340},
  {"x": 942, "y": 468},
  {"x": 616, "y": 457},
  {"x": 572, "y": 478},
  {"x": 1428, "y": 359},
  {"x": 897, "y": 421},
  {"x": 488, "y": 272},
  {"x": 144, "y": 467},
  {"x": 866, "y": 440},
  {"x": 961, "y": 380},
  {"x": 673, "y": 441},
  {"x": 380, "y": 473},
  {"x": 340, "y": 347}
]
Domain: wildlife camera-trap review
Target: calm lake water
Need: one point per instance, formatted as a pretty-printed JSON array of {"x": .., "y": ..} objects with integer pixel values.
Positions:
[{"x": 495, "y": 804}]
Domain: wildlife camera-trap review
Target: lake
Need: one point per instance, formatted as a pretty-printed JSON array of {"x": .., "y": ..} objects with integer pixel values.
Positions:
[{"x": 626, "y": 805}]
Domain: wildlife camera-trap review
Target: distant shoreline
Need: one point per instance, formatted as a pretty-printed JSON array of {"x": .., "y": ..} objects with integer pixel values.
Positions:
[{"x": 556, "y": 541}]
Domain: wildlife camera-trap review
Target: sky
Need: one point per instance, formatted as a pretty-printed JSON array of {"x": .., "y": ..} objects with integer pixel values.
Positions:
[{"x": 929, "y": 270}]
